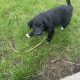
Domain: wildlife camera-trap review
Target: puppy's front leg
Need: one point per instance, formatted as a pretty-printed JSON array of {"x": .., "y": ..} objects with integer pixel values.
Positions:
[{"x": 50, "y": 35}]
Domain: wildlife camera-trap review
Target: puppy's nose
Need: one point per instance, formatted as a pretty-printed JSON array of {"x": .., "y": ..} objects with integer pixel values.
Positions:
[{"x": 38, "y": 34}]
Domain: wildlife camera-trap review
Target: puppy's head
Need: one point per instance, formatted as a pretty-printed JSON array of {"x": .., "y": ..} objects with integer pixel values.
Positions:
[{"x": 37, "y": 26}]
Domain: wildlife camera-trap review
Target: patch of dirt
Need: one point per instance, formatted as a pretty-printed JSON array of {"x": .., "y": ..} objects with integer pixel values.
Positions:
[
  {"x": 55, "y": 69},
  {"x": 4, "y": 49},
  {"x": 17, "y": 61}
]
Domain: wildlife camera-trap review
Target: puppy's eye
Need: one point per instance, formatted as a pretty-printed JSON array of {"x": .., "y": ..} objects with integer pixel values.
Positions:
[{"x": 38, "y": 24}]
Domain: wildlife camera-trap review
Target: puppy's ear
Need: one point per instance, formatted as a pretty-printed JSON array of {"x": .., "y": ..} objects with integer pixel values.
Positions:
[{"x": 30, "y": 23}]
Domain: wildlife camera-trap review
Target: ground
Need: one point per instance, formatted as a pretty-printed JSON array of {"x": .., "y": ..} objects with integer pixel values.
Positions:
[
  {"x": 57, "y": 68},
  {"x": 14, "y": 15}
]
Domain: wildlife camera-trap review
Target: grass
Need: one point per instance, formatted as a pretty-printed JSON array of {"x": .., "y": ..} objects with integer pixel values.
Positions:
[{"x": 14, "y": 15}]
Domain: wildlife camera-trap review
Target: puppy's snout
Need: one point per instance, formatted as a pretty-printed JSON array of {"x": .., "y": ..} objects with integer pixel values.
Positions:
[{"x": 38, "y": 34}]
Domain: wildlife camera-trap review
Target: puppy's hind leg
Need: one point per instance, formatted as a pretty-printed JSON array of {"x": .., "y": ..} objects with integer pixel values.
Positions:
[
  {"x": 64, "y": 24},
  {"x": 62, "y": 28}
]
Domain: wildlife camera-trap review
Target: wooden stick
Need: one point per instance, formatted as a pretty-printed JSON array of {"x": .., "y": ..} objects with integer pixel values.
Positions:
[{"x": 29, "y": 49}]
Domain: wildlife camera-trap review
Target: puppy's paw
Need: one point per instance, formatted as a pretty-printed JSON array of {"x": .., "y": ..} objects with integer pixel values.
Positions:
[
  {"x": 62, "y": 28},
  {"x": 27, "y": 35},
  {"x": 47, "y": 43},
  {"x": 48, "y": 40}
]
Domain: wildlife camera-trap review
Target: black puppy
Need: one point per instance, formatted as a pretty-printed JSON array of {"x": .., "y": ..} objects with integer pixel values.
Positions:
[{"x": 48, "y": 20}]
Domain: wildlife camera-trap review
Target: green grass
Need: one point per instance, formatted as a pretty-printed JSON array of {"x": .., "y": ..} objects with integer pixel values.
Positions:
[{"x": 14, "y": 15}]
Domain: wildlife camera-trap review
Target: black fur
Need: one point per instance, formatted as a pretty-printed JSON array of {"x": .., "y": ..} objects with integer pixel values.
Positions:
[
  {"x": 47, "y": 21},
  {"x": 68, "y": 2}
]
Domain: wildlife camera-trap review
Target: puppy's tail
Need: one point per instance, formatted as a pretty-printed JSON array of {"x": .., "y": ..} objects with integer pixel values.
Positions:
[{"x": 68, "y": 2}]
